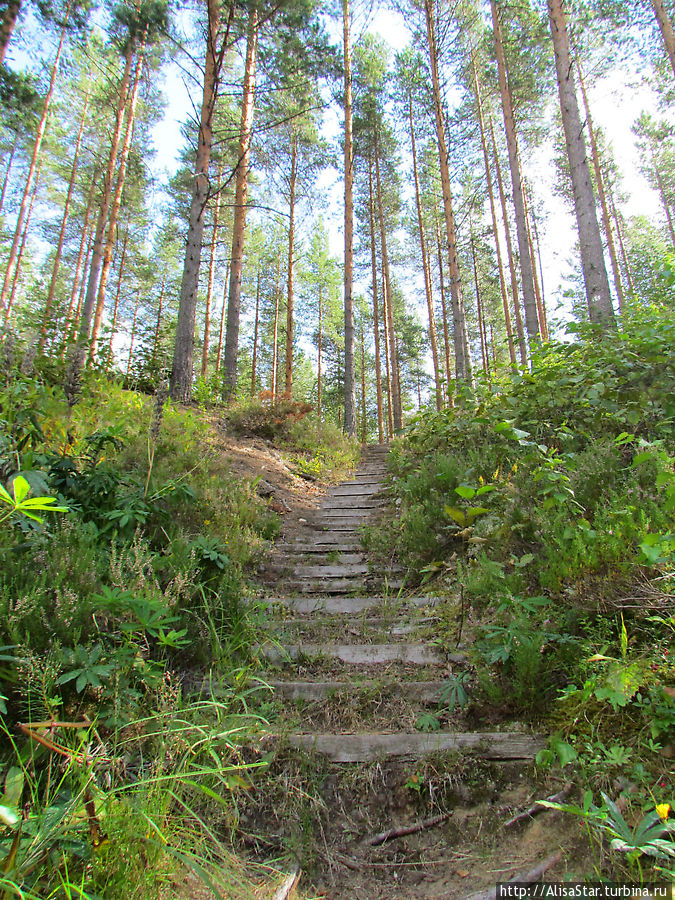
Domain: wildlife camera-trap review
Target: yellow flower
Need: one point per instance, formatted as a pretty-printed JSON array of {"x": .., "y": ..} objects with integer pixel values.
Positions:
[
  {"x": 663, "y": 809},
  {"x": 207, "y": 521}
]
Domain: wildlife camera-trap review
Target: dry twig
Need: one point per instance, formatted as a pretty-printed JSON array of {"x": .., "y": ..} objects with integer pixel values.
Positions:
[
  {"x": 383, "y": 836},
  {"x": 526, "y": 877},
  {"x": 536, "y": 807}
]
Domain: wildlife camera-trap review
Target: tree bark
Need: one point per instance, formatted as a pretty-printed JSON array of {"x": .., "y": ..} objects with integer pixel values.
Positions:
[
  {"x": 231, "y": 355},
  {"x": 97, "y": 247},
  {"x": 349, "y": 378},
  {"x": 223, "y": 308},
  {"x": 622, "y": 246},
  {"x": 425, "y": 263},
  {"x": 37, "y": 146},
  {"x": 82, "y": 289},
  {"x": 444, "y": 310},
  {"x": 182, "y": 367},
  {"x": 520, "y": 331},
  {"x": 275, "y": 332},
  {"x": 592, "y": 255},
  {"x": 364, "y": 426},
  {"x": 491, "y": 197},
  {"x": 541, "y": 310},
  {"x": 85, "y": 242},
  {"x": 116, "y": 203},
  {"x": 7, "y": 24},
  {"x": 116, "y": 306},
  {"x": 133, "y": 335},
  {"x": 393, "y": 361},
  {"x": 602, "y": 195},
  {"x": 158, "y": 321},
  {"x": 5, "y": 180},
  {"x": 212, "y": 266},
  {"x": 461, "y": 344},
  {"x": 529, "y": 299},
  {"x": 666, "y": 28},
  {"x": 385, "y": 321},
  {"x": 22, "y": 247},
  {"x": 319, "y": 343},
  {"x": 289, "y": 284},
  {"x": 479, "y": 307},
  {"x": 254, "y": 357},
  {"x": 64, "y": 221},
  {"x": 376, "y": 304}
]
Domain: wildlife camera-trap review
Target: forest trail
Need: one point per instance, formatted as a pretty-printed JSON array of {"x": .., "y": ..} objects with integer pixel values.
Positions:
[{"x": 357, "y": 681}]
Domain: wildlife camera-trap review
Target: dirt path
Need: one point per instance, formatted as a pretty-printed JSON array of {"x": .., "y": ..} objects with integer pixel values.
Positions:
[{"x": 361, "y": 745}]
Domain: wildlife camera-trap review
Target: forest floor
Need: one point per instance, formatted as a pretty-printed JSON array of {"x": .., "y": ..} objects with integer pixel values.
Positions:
[{"x": 320, "y": 814}]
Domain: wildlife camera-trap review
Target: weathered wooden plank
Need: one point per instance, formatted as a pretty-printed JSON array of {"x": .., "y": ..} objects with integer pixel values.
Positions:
[
  {"x": 344, "y": 605},
  {"x": 414, "y": 691},
  {"x": 350, "y": 748},
  {"x": 364, "y": 654},
  {"x": 341, "y": 585}
]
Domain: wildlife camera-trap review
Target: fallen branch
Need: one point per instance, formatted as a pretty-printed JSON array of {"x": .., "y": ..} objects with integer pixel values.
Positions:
[
  {"x": 285, "y": 888},
  {"x": 406, "y": 829},
  {"x": 526, "y": 878},
  {"x": 536, "y": 807}
]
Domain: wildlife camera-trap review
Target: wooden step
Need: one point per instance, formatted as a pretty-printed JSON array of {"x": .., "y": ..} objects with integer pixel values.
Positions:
[
  {"x": 341, "y": 585},
  {"x": 351, "y": 748},
  {"x": 346, "y": 605},
  {"x": 415, "y": 691},
  {"x": 364, "y": 654}
]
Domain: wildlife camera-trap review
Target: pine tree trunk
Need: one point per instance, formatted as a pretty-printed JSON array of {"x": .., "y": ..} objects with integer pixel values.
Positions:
[
  {"x": 541, "y": 311},
  {"x": 118, "y": 294},
  {"x": 116, "y": 204},
  {"x": 602, "y": 196},
  {"x": 622, "y": 246},
  {"x": 158, "y": 321},
  {"x": 319, "y": 348},
  {"x": 385, "y": 322},
  {"x": 7, "y": 24},
  {"x": 666, "y": 29},
  {"x": 8, "y": 169},
  {"x": 395, "y": 388},
  {"x": 291, "y": 250},
  {"x": 376, "y": 304},
  {"x": 425, "y": 263},
  {"x": 231, "y": 355},
  {"x": 529, "y": 299},
  {"x": 97, "y": 248},
  {"x": 491, "y": 197},
  {"x": 223, "y": 308},
  {"x": 479, "y": 308},
  {"x": 82, "y": 289},
  {"x": 275, "y": 332},
  {"x": 520, "y": 331},
  {"x": 133, "y": 336},
  {"x": 444, "y": 310},
  {"x": 212, "y": 266},
  {"x": 182, "y": 367},
  {"x": 364, "y": 426},
  {"x": 85, "y": 243},
  {"x": 254, "y": 359},
  {"x": 22, "y": 247},
  {"x": 592, "y": 255},
  {"x": 37, "y": 146},
  {"x": 349, "y": 379},
  {"x": 461, "y": 345},
  {"x": 64, "y": 221}
]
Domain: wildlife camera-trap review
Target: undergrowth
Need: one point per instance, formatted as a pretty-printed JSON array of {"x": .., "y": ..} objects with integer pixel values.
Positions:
[{"x": 543, "y": 505}]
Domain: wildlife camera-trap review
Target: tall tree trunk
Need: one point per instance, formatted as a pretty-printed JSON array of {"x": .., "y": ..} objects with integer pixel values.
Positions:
[
  {"x": 364, "y": 425},
  {"x": 116, "y": 203},
  {"x": 133, "y": 335},
  {"x": 592, "y": 255},
  {"x": 22, "y": 247},
  {"x": 158, "y": 321},
  {"x": 385, "y": 322},
  {"x": 425, "y": 262},
  {"x": 491, "y": 197},
  {"x": 393, "y": 361},
  {"x": 223, "y": 308},
  {"x": 80, "y": 293},
  {"x": 5, "y": 180},
  {"x": 289, "y": 284},
  {"x": 350, "y": 374},
  {"x": 231, "y": 355},
  {"x": 118, "y": 294},
  {"x": 7, "y": 23},
  {"x": 666, "y": 29},
  {"x": 254, "y": 358},
  {"x": 602, "y": 195},
  {"x": 212, "y": 266},
  {"x": 275, "y": 332},
  {"x": 37, "y": 146},
  {"x": 64, "y": 221},
  {"x": 376, "y": 304},
  {"x": 619, "y": 234},
  {"x": 319, "y": 347},
  {"x": 541, "y": 310},
  {"x": 461, "y": 344},
  {"x": 444, "y": 309},
  {"x": 97, "y": 248},
  {"x": 529, "y": 299},
  {"x": 85, "y": 243},
  {"x": 520, "y": 331},
  {"x": 182, "y": 368},
  {"x": 479, "y": 307}
]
